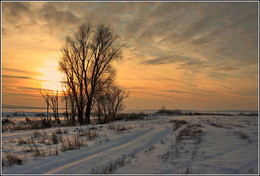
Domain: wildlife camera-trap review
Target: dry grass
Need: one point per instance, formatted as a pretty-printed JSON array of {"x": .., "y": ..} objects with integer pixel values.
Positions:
[
  {"x": 190, "y": 132},
  {"x": 181, "y": 122},
  {"x": 112, "y": 166},
  {"x": 12, "y": 159},
  {"x": 17, "y": 127},
  {"x": 22, "y": 141},
  {"x": 216, "y": 125},
  {"x": 187, "y": 170},
  {"x": 54, "y": 138},
  {"x": 39, "y": 152},
  {"x": 177, "y": 124},
  {"x": 242, "y": 135},
  {"x": 72, "y": 143},
  {"x": 118, "y": 127},
  {"x": 151, "y": 148},
  {"x": 90, "y": 134}
]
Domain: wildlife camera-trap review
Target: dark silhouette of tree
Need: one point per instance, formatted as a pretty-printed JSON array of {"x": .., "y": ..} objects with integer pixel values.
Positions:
[
  {"x": 86, "y": 62},
  {"x": 70, "y": 108},
  {"x": 46, "y": 97},
  {"x": 110, "y": 102},
  {"x": 51, "y": 98}
]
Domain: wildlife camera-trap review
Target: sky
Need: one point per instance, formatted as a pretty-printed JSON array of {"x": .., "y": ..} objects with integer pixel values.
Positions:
[{"x": 183, "y": 55}]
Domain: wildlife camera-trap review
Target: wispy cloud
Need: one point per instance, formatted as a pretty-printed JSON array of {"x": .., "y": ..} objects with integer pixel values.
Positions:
[
  {"x": 18, "y": 70},
  {"x": 16, "y": 77},
  {"x": 210, "y": 44},
  {"x": 178, "y": 91},
  {"x": 168, "y": 59}
]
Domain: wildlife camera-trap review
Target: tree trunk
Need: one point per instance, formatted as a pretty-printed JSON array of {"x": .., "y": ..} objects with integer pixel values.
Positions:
[{"x": 87, "y": 112}]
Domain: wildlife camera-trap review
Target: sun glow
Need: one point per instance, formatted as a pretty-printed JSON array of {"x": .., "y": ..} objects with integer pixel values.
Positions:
[{"x": 51, "y": 77}]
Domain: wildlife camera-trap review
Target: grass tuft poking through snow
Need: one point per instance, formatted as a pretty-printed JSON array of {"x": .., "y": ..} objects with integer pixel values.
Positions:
[
  {"x": 72, "y": 143},
  {"x": 111, "y": 167},
  {"x": 163, "y": 144},
  {"x": 12, "y": 159},
  {"x": 118, "y": 127}
]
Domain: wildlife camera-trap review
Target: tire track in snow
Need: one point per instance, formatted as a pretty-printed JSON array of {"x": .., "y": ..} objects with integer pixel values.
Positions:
[
  {"x": 86, "y": 155},
  {"x": 129, "y": 148}
]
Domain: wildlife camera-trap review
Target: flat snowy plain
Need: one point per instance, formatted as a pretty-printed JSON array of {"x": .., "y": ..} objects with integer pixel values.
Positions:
[{"x": 156, "y": 145}]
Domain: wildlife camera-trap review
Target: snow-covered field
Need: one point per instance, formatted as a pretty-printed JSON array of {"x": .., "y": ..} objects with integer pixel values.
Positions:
[{"x": 156, "y": 145}]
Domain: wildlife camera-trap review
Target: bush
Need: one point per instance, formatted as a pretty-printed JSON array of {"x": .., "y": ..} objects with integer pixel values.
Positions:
[
  {"x": 54, "y": 138},
  {"x": 72, "y": 144},
  {"x": 11, "y": 159},
  {"x": 7, "y": 122}
]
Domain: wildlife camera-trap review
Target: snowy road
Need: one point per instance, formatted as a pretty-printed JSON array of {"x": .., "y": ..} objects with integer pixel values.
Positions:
[
  {"x": 83, "y": 160},
  {"x": 229, "y": 145}
]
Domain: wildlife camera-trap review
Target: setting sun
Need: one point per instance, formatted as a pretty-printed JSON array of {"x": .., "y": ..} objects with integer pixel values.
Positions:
[
  {"x": 147, "y": 87},
  {"x": 51, "y": 77},
  {"x": 188, "y": 62}
]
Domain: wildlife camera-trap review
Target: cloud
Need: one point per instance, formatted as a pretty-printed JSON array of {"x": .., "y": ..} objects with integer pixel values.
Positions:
[
  {"x": 16, "y": 77},
  {"x": 18, "y": 70},
  {"x": 17, "y": 14},
  {"x": 209, "y": 44},
  {"x": 167, "y": 59},
  {"x": 57, "y": 16},
  {"x": 16, "y": 9},
  {"x": 153, "y": 94},
  {"x": 225, "y": 68},
  {"x": 20, "y": 107},
  {"x": 177, "y": 91}
]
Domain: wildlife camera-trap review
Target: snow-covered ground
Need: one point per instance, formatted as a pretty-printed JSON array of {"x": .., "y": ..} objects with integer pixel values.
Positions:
[{"x": 156, "y": 145}]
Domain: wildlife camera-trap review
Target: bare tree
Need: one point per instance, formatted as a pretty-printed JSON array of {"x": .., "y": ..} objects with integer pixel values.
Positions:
[
  {"x": 69, "y": 104},
  {"x": 46, "y": 97},
  {"x": 110, "y": 102},
  {"x": 51, "y": 99},
  {"x": 65, "y": 98},
  {"x": 86, "y": 62}
]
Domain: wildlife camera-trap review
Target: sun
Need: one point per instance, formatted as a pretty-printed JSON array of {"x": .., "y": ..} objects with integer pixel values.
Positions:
[{"x": 51, "y": 77}]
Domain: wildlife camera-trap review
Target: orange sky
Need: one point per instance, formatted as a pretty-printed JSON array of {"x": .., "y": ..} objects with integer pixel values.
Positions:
[{"x": 196, "y": 56}]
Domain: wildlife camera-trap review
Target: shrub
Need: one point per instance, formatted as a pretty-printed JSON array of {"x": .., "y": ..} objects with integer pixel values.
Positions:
[
  {"x": 36, "y": 134},
  {"x": 91, "y": 135},
  {"x": 11, "y": 159},
  {"x": 7, "y": 122},
  {"x": 54, "y": 138},
  {"x": 59, "y": 131},
  {"x": 72, "y": 144},
  {"x": 22, "y": 141}
]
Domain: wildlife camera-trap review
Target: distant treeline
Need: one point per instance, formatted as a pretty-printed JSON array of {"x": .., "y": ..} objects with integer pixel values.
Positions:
[{"x": 179, "y": 112}]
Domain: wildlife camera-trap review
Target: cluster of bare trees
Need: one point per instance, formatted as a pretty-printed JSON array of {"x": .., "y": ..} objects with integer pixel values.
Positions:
[
  {"x": 51, "y": 97},
  {"x": 86, "y": 61},
  {"x": 109, "y": 102}
]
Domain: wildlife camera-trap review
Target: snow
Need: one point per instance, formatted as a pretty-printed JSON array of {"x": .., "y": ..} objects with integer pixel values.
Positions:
[{"x": 146, "y": 147}]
